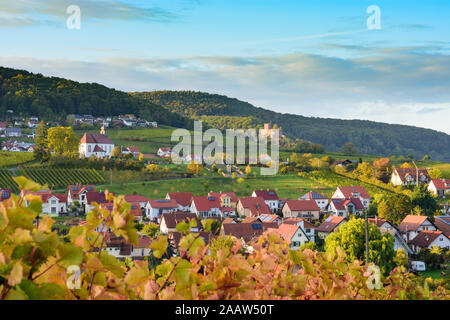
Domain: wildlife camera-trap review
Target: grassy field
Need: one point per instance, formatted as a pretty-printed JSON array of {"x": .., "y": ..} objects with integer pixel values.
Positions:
[
  {"x": 434, "y": 274},
  {"x": 289, "y": 186}
]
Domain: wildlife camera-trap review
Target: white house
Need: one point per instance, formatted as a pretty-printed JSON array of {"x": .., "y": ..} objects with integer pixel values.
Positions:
[
  {"x": 270, "y": 198},
  {"x": 308, "y": 228},
  {"x": 206, "y": 207},
  {"x": 411, "y": 226},
  {"x": 408, "y": 176},
  {"x": 320, "y": 199},
  {"x": 163, "y": 152},
  {"x": 52, "y": 204},
  {"x": 440, "y": 187},
  {"x": 292, "y": 234},
  {"x": 301, "y": 209},
  {"x": 345, "y": 207},
  {"x": 353, "y": 192},
  {"x": 169, "y": 221},
  {"x": 156, "y": 208},
  {"x": 429, "y": 239},
  {"x": 96, "y": 144}
]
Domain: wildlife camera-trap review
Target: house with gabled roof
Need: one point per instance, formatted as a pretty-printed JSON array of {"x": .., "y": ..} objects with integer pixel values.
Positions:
[
  {"x": 169, "y": 221},
  {"x": 78, "y": 193},
  {"x": 182, "y": 198},
  {"x": 387, "y": 227},
  {"x": 345, "y": 207},
  {"x": 440, "y": 187},
  {"x": 156, "y": 208},
  {"x": 270, "y": 197},
  {"x": 270, "y": 218},
  {"x": 309, "y": 228},
  {"x": 429, "y": 239},
  {"x": 206, "y": 207},
  {"x": 252, "y": 207},
  {"x": 53, "y": 204},
  {"x": 331, "y": 224},
  {"x": 227, "y": 199},
  {"x": 351, "y": 192},
  {"x": 92, "y": 197},
  {"x": 301, "y": 209},
  {"x": 408, "y": 176},
  {"x": 293, "y": 234},
  {"x": 321, "y": 200},
  {"x": 443, "y": 224},
  {"x": 246, "y": 231},
  {"x": 412, "y": 225}
]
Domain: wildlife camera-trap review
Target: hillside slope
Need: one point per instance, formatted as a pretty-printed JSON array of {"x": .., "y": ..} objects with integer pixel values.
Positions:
[
  {"x": 369, "y": 137},
  {"x": 51, "y": 98}
]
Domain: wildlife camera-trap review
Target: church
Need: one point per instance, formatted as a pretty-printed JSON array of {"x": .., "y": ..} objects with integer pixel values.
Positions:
[{"x": 97, "y": 144}]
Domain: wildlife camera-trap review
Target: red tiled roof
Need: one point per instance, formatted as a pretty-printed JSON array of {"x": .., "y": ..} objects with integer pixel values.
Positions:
[
  {"x": 173, "y": 219},
  {"x": 306, "y": 223},
  {"x": 286, "y": 231},
  {"x": 349, "y": 192},
  {"x": 94, "y": 196},
  {"x": 135, "y": 209},
  {"x": 206, "y": 203},
  {"x": 443, "y": 224},
  {"x": 341, "y": 204},
  {"x": 404, "y": 172},
  {"x": 330, "y": 224},
  {"x": 256, "y": 205},
  {"x": 219, "y": 195},
  {"x": 425, "y": 237},
  {"x": 377, "y": 222},
  {"x": 182, "y": 198},
  {"x": 411, "y": 223},
  {"x": 302, "y": 205},
  {"x": 163, "y": 204},
  {"x": 95, "y": 138},
  {"x": 267, "y": 194},
  {"x": 246, "y": 231},
  {"x": 136, "y": 198},
  {"x": 441, "y": 184},
  {"x": 134, "y": 149},
  {"x": 74, "y": 190}
]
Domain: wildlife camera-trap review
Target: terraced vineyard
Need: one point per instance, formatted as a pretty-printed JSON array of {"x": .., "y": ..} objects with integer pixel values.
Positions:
[
  {"x": 7, "y": 181},
  {"x": 61, "y": 178}
]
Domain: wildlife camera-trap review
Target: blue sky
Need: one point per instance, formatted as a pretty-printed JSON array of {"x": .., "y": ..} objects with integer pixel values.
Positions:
[{"x": 290, "y": 56}]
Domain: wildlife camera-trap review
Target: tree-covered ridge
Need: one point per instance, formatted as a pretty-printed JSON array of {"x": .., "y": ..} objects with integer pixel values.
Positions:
[
  {"x": 368, "y": 137},
  {"x": 54, "y": 98}
]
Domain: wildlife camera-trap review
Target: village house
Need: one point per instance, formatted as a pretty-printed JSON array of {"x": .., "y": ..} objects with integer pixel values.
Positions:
[
  {"x": 308, "y": 228},
  {"x": 408, "y": 176},
  {"x": 270, "y": 197},
  {"x": 134, "y": 151},
  {"x": 96, "y": 144},
  {"x": 119, "y": 248},
  {"x": 330, "y": 225},
  {"x": 52, "y": 204},
  {"x": 182, "y": 198},
  {"x": 174, "y": 239},
  {"x": 440, "y": 187},
  {"x": 77, "y": 193},
  {"x": 443, "y": 224},
  {"x": 92, "y": 197},
  {"x": 246, "y": 231},
  {"x": 227, "y": 199},
  {"x": 345, "y": 207},
  {"x": 320, "y": 199},
  {"x": 164, "y": 152},
  {"x": 169, "y": 221},
  {"x": 206, "y": 207},
  {"x": 353, "y": 192},
  {"x": 294, "y": 235},
  {"x": 13, "y": 132},
  {"x": 301, "y": 209},
  {"x": 252, "y": 207},
  {"x": 387, "y": 227},
  {"x": 429, "y": 239},
  {"x": 411, "y": 226},
  {"x": 156, "y": 208}
]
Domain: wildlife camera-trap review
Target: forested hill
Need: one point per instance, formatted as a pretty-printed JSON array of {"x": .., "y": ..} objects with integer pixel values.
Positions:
[
  {"x": 51, "y": 98},
  {"x": 369, "y": 137}
]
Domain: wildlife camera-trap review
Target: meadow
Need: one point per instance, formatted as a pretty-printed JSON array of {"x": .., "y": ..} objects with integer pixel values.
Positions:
[{"x": 9, "y": 159}]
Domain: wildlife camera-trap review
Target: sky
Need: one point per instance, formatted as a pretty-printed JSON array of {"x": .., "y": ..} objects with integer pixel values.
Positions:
[{"x": 317, "y": 59}]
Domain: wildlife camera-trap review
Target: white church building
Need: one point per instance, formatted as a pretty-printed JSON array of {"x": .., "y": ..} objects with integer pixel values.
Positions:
[{"x": 97, "y": 144}]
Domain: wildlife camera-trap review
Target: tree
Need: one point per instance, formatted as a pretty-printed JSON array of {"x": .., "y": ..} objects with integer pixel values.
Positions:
[
  {"x": 348, "y": 149},
  {"x": 41, "y": 152},
  {"x": 115, "y": 153},
  {"x": 351, "y": 237},
  {"x": 382, "y": 169},
  {"x": 63, "y": 141},
  {"x": 435, "y": 173},
  {"x": 248, "y": 170},
  {"x": 422, "y": 198},
  {"x": 426, "y": 157},
  {"x": 394, "y": 208},
  {"x": 141, "y": 157},
  {"x": 309, "y": 245},
  {"x": 364, "y": 170},
  {"x": 401, "y": 258},
  {"x": 194, "y": 168},
  {"x": 406, "y": 165}
]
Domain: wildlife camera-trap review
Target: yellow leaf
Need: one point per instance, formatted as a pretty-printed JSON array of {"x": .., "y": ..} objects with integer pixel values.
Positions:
[{"x": 15, "y": 277}]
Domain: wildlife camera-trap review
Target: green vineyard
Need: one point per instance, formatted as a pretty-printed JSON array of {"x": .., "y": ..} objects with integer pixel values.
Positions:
[
  {"x": 61, "y": 178},
  {"x": 7, "y": 181}
]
